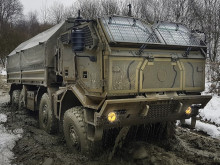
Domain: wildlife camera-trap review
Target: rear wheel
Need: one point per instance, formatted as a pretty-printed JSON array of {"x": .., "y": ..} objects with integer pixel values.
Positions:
[
  {"x": 21, "y": 102},
  {"x": 75, "y": 130},
  {"x": 47, "y": 120},
  {"x": 15, "y": 97}
]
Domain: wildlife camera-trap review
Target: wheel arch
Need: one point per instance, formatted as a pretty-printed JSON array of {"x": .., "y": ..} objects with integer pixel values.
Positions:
[
  {"x": 14, "y": 87},
  {"x": 68, "y": 101}
]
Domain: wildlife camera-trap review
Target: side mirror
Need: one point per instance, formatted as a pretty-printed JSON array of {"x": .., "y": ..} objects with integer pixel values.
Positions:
[{"x": 78, "y": 40}]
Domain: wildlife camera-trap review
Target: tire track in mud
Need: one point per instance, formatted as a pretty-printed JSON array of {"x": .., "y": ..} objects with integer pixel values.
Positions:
[{"x": 197, "y": 148}]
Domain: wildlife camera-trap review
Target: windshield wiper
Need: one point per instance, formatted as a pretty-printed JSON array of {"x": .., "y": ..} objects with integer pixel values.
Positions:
[
  {"x": 141, "y": 49},
  {"x": 143, "y": 46},
  {"x": 187, "y": 52}
]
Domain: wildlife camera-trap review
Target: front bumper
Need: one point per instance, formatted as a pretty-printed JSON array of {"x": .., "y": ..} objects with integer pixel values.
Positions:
[{"x": 135, "y": 111}]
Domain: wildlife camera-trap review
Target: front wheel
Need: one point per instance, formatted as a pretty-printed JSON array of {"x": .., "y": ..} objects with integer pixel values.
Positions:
[
  {"x": 47, "y": 120},
  {"x": 15, "y": 97},
  {"x": 75, "y": 131}
]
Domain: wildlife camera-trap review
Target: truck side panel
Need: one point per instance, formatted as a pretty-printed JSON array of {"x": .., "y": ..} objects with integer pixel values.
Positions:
[
  {"x": 13, "y": 69},
  {"x": 35, "y": 65}
]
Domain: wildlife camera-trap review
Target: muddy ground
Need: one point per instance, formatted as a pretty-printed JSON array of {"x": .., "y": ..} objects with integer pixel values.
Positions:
[{"x": 38, "y": 147}]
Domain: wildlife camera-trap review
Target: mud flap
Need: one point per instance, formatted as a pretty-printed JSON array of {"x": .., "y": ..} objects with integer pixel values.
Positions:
[
  {"x": 193, "y": 122},
  {"x": 182, "y": 122},
  {"x": 119, "y": 140}
]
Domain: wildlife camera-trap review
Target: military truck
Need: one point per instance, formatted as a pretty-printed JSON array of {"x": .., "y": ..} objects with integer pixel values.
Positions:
[{"x": 90, "y": 76}]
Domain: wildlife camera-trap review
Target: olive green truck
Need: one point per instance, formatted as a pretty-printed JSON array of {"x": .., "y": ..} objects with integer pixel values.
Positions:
[{"x": 90, "y": 76}]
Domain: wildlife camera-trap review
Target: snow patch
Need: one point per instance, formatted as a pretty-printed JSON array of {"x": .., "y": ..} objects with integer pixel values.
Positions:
[
  {"x": 7, "y": 142},
  {"x": 3, "y": 71},
  {"x": 211, "y": 111},
  {"x": 210, "y": 129},
  {"x": 3, "y": 118}
]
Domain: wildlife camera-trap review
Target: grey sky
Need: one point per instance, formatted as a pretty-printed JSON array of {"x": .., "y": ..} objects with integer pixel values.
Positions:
[{"x": 32, "y": 5}]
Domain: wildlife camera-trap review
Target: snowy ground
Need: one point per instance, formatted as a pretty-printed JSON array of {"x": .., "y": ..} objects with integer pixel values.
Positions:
[
  {"x": 211, "y": 112},
  {"x": 8, "y": 138},
  {"x": 2, "y": 71},
  {"x": 209, "y": 115},
  {"x": 210, "y": 129},
  {"x": 210, "y": 118},
  {"x": 7, "y": 141}
]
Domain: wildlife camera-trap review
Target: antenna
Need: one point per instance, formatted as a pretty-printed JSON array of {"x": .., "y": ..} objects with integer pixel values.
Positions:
[
  {"x": 79, "y": 15},
  {"x": 129, "y": 11}
]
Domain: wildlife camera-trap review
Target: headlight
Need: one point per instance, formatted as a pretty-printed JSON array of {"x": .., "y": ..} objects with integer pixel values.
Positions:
[
  {"x": 112, "y": 117},
  {"x": 188, "y": 111}
]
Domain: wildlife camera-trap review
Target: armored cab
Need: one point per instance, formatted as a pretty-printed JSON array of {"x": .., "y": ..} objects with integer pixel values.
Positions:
[{"x": 113, "y": 72}]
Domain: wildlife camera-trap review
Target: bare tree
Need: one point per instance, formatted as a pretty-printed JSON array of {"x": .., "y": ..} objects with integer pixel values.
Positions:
[
  {"x": 56, "y": 12},
  {"x": 33, "y": 23},
  {"x": 143, "y": 9},
  {"x": 70, "y": 11},
  {"x": 90, "y": 9},
  {"x": 44, "y": 12},
  {"x": 9, "y": 10},
  {"x": 110, "y": 7},
  {"x": 207, "y": 14}
]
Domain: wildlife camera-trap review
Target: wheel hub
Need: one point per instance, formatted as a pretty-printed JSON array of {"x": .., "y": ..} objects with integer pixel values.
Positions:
[
  {"x": 45, "y": 114},
  {"x": 73, "y": 136}
]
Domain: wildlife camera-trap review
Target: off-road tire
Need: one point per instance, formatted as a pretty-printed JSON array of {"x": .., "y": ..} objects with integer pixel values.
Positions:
[
  {"x": 15, "y": 97},
  {"x": 75, "y": 130},
  {"x": 21, "y": 102},
  {"x": 47, "y": 120}
]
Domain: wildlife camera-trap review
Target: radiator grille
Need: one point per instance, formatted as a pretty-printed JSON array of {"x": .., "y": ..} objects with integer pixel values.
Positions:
[{"x": 161, "y": 110}]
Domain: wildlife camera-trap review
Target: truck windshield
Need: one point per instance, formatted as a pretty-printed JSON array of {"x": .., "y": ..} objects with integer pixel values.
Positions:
[
  {"x": 123, "y": 29},
  {"x": 126, "y": 29},
  {"x": 176, "y": 34}
]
